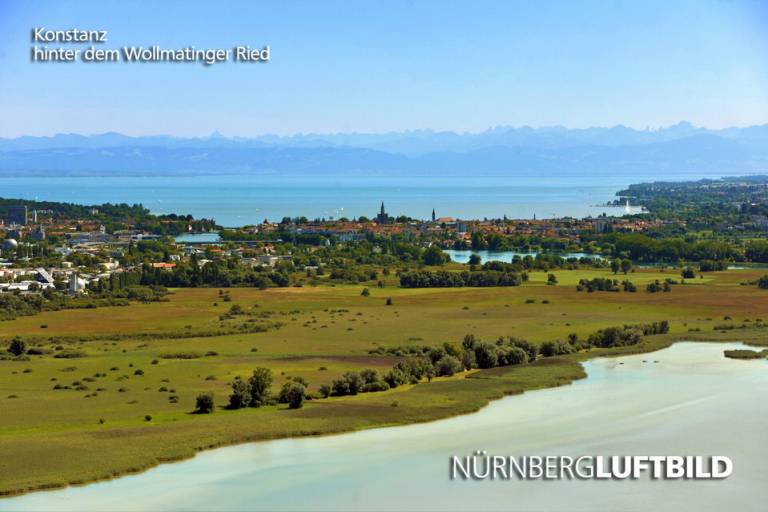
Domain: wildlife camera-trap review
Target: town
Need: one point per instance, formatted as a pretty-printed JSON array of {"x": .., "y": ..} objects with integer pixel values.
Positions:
[{"x": 72, "y": 249}]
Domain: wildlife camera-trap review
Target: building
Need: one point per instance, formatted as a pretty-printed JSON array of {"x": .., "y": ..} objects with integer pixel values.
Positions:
[
  {"x": 383, "y": 217},
  {"x": 76, "y": 285},
  {"x": 17, "y": 214}
]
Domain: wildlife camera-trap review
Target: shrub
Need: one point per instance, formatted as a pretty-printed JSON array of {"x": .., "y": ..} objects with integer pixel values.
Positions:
[
  {"x": 17, "y": 346},
  {"x": 241, "y": 394},
  {"x": 325, "y": 390},
  {"x": 511, "y": 355},
  {"x": 373, "y": 387},
  {"x": 293, "y": 394},
  {"x": 69, "y": 354},
  {"x": 395, "y": 378},
  {"x": 349, "y": 384},
  {"x": 554, "y": 348},
  {"x": 486, "y": 356},
  {"x": 447, "y": 365},
  {"x": 763, "y": 282},
  {"x": 366, "y": 292},
  {"x": 369, "y": 375},
  {"x": 204, "y": 403}
]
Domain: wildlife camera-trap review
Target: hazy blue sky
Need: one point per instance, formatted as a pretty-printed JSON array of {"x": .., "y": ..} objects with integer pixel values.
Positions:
[{"x": 394, "y": 65}]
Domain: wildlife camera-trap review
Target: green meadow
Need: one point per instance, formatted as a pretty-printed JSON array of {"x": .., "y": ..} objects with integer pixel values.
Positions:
[{"x": 132, "y": 387}]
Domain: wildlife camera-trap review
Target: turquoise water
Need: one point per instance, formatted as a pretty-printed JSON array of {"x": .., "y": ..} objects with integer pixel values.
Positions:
[
  {"x": 239, "y": 200},
  {"x": 684, "y": 400},
  {"x": 507, "y": 256}
]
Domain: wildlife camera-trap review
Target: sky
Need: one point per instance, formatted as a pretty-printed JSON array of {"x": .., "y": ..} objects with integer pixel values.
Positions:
[{"x": 378, "y": 66}]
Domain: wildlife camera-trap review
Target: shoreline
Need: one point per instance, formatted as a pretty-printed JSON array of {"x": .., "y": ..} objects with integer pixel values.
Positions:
[{"x": 565, "y": 363}]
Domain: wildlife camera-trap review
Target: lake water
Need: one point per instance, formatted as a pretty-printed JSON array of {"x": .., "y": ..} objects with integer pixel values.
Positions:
[
  {"x": 684, "y": 400},
  {"x": 239, "y": 200},
  {"x": 507, "y": 256}
]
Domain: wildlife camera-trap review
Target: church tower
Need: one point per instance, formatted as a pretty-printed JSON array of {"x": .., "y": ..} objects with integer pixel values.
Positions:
[
  {"x": 382, "y": 217},
  {"x": 433, "y": 215}
]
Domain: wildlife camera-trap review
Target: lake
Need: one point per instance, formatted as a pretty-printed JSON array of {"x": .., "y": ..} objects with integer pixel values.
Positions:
[
  {"x": 247, "y": 199},
  {"x": 684, "y": 400},
  {"x": 507, "y": 256}
]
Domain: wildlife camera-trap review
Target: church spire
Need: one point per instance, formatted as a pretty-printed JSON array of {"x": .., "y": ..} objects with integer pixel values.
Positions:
[
  {"x": 433, "y": 215},
  {"x": 383, "y": 212}
]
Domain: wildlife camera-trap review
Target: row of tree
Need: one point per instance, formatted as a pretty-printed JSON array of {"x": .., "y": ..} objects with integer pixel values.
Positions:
[{"x": 445, "y": 279}]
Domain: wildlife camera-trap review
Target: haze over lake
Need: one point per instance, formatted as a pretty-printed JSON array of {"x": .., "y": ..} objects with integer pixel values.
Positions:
[
  {"x": 236, "y": 200},
  {"x": 685, "y": 400}
]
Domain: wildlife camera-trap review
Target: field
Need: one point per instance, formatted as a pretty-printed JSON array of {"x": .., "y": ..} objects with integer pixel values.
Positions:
[{"x": 119, "y": 421}]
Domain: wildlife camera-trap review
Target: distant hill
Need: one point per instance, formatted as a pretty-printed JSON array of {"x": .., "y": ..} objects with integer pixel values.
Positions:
[
  {"x": 700, "y": 152},
  {"x": 415, "y": 142},
  {"x": 503, "y": 150}
]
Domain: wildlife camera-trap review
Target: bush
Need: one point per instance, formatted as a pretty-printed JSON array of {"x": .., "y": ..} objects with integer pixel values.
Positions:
[
  {"x": 554, "y": 348},
  {"x": 349, "y": 384},
  {"x": 369, "y": 375},
  {"x": 325, "y": 390},
  {"x": 447, "y": 365},
  {"x": 70, "y": 354},
  {"x": 17, "y": 346},
  {"x": 366, "y": 292},
  {"x": 293, "y": 394},
  {"x": 241, "y": 394},
  {"x": 763, "y": 282},
  {"x": 511, "y": 355},
  {"x": 395, "y": 378},
  {"x": 204, "y": 403},
  {"x": 486, "y": 356},
  {"x": 373, "y": 387}
]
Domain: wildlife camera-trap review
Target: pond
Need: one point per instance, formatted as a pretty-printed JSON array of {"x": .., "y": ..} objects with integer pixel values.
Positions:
[{"x": 507, "y": 256}]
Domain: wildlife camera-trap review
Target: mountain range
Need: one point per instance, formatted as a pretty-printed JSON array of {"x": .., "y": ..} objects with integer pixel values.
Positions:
[{"x": 678, "y": 148}]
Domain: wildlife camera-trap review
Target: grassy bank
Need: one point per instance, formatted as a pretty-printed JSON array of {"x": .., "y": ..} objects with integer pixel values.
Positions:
[{"x": 51, "y": 438}]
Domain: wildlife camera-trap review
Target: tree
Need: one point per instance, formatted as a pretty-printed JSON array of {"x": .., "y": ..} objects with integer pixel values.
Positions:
[
  {"x": 688, "y": 273},
  {"x": 17, "y": 346},
  {"x": 241, "y": 394},
  {"x": 204, "y": 403},
  {"x": 447, "y": 365},
  {"x": 260, "y": 383},
  {"x": 434, "y": 256},
  {"x": 486, "y": 355},
  {"x": 615, "y": 265},
  {"x": 293, "y": 394},
  {"x": 366, "y": 292},
  {"x": 763, "y": 282},
  {"x": 354, "y": 382},
  {"x": 626, "y": 266},
  {"x": 389, "y": 301},
  {"x": 474, "y": 259},
  {"x": 551, "y": 279}
]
